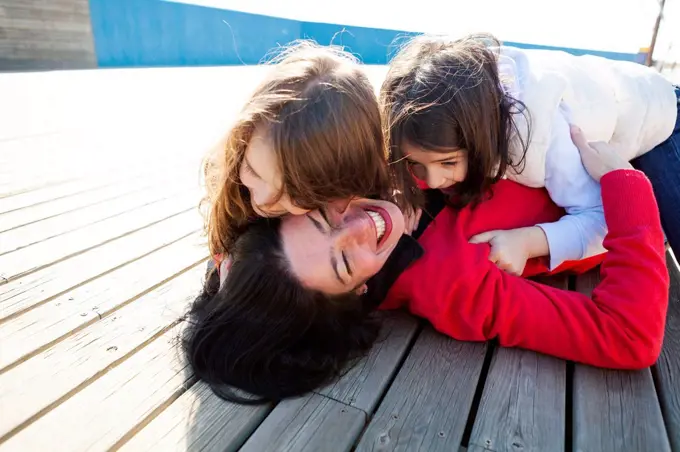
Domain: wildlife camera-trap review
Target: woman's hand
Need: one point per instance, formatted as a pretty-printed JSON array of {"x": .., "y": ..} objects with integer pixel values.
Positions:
[{"x": 599, "y": 157}]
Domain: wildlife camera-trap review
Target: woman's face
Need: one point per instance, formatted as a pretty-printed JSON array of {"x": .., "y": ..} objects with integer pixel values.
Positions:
[
  {"x": 438, "y": 170},
  {"x": 261, "y": 174},
  {"x": 336, "y": 251}
]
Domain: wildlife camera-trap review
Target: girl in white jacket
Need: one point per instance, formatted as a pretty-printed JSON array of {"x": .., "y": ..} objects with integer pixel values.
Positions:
[{"x": 461, "y": 114}]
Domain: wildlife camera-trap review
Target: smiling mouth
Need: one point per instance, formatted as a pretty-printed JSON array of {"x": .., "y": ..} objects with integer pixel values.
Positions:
[
  {"x": 382, "y": 221},
  {"x": 379, "y": 223}
]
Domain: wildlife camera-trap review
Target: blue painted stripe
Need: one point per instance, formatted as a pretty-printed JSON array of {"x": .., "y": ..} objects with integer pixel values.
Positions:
[{"x": 161, "y": 33}]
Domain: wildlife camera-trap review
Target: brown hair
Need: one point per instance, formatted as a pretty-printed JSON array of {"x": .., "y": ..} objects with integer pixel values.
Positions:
[
  {"x": 322, "y": 116},
  {"x": 442, "y": 94}
]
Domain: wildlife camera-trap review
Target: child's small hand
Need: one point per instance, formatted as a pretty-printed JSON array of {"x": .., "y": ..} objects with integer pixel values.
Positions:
[
  {"x": 510, "y": 249},
  {"x": 411, "y": 221},
  {"x": 598, "y": 158}
]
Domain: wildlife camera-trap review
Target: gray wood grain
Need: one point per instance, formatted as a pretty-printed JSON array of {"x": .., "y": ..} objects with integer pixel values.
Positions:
[
  {"x": 615, "y": 410},
  {"x": 523, "y": 402},
  {"x": 198, "y": 421},
  {"x": 311, "y": 423},
  {"x": 364, "y": 384},
  {"x": 668, "y": 366},
  {"x": 427, "y": 406},
  {"x": 40, "y": 35}
]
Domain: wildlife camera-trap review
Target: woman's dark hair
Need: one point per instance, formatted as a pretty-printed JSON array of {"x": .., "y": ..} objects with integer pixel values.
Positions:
[
  {"x": 264, "y": 333},
  {"x": 442, "y": 94}
]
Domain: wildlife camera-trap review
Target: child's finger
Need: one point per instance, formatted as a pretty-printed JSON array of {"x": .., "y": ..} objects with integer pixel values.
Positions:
[
  {"x": 578, "y": 138},
  {"x": 484, "y": 237}
]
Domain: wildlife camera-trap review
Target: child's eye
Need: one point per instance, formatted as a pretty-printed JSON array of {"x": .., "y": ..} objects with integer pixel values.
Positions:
[
  {"x": 449, "y": 163},
  {"x": 327, "y": 219},
  {"x": 249, "y": 170},
  {"x": 417, "y": 170}
]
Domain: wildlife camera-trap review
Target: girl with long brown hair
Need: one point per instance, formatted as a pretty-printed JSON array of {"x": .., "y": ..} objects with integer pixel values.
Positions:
[
  {"x": 309, "y": 137},
  {"x": 461, "y": 114}
]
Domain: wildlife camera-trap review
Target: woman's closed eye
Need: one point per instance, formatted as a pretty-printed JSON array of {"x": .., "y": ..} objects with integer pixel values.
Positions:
[{"x": 346, "y": 261}]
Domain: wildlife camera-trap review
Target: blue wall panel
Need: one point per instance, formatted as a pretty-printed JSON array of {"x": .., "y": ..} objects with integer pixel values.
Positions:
[
  {"x": 158, "y": 33},
  {"x": 164, "y": 33},
  {"x": 371, "y": 45}
]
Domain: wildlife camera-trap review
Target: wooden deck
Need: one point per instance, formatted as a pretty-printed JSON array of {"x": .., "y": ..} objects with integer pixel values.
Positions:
[{"x": 100, "y": 254}]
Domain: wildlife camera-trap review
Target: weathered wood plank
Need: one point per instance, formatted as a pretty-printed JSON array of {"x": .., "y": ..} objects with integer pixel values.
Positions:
[
  {"x": 84, "y": 159},
  {"x": 199, "y": 421},
  {"x": 25, "y": 236},
  {"x": 309, "y": 423},
  {"x": 42, "y": 195},
  {"x": 91, "y": 302},
  {"x": 36, "y": 385},
  {"x": 66, "y": 204},
  {"x": 427, "y": 406},
  {"x": 22, "y": 294},
  {"x": 363, "y": 385},
  {"x": 523, "y": 402},
  {"x": 48, "y": 28},
  {"x": 33, "y": 258},
  {"x": 45, "y": 186},
  {"x": 615, "y": 410},
  {"x": 667, "y": 369},
  {"x": 113, "y": 407},
  {"x": 8, "y": 189}
]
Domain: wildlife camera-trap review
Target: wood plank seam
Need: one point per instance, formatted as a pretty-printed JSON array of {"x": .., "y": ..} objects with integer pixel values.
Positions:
[
  {"x": 665, "y": 372},
  {"x": 395, "y": 371},
  {"x": 89, "y": 280},
  {"x": 99, "y": 220},
  {"x": 88, "y": 198},
  {"x": 94, "y": 203},
  {"x": 101, "y": 316},
  {"x": 438, "y": 372},
  {"x": 479, "y": 392},
  {"x": 522, "y": 404},
  {"x": 89, "y": 184},
  {"x": 87, "y": 382},
  {"x": 52, "y": 184},
  {"x": 615, "y": 409},
  {"x": 21, "y": 294},
  {"x": 21, "y": 191},
  {"x": 157, "y": 411},
  {"x": 5, "y": 280},
  {"x": 569, "y": 390},
  {"x": 341, "y": 402}
]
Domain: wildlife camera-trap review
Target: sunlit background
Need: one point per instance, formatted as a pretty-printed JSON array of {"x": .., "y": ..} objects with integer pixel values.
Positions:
[
  {"x": 624, "y": 26},
  {"x": 71, "y": 34}
]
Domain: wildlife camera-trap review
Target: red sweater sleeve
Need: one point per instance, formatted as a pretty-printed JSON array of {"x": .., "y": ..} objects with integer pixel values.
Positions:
[{"x": 620, "y": 326}]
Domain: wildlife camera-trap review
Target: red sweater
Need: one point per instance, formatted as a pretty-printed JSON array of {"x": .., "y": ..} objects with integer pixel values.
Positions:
[{"x": 620, "y": 326}]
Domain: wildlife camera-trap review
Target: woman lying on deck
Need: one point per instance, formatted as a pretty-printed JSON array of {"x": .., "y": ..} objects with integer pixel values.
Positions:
[{"x": 297, "y": 304}]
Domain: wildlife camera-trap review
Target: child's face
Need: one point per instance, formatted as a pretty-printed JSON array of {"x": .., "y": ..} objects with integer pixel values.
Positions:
[
  {"x": 260, "y": 173},
  {"x": 439, "y": 170}
]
